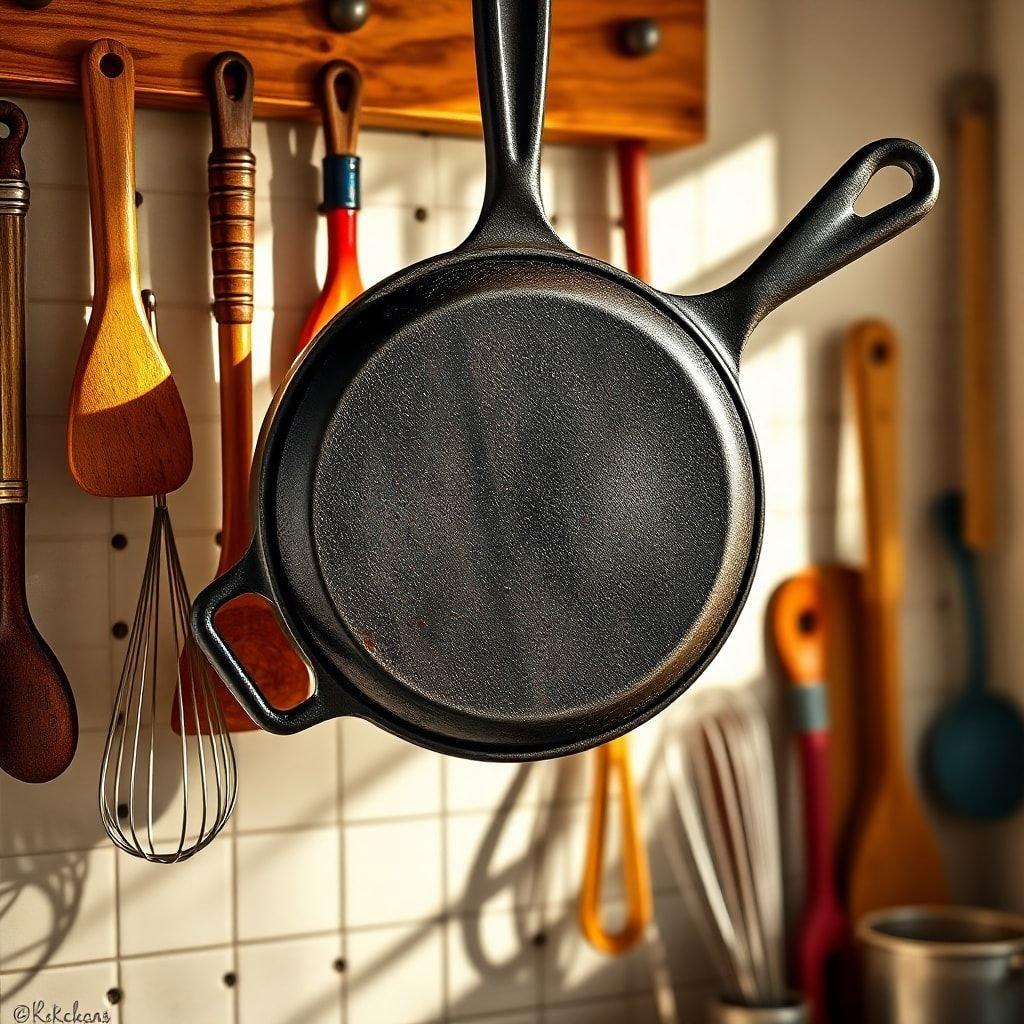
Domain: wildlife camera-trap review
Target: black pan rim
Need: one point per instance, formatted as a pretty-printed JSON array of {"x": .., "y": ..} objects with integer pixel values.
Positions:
[{"x": 348, "y": 698}]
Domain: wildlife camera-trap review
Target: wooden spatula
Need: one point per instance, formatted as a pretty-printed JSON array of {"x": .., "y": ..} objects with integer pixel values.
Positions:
[
  {"x": 38, "y": 721},
  {"x": 895, "y": 858},
  {"x": 127, "y": 431},
  {"x": 249, "y": 624}
]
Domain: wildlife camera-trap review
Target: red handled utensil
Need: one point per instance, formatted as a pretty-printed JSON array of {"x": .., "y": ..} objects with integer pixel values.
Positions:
[
  {"x": 799, "y": 628},
  {"x": 341, "y": 92}
]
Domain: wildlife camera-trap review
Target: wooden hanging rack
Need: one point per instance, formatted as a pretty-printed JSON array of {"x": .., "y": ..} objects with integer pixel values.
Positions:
[{"x": 417, "y": 59}]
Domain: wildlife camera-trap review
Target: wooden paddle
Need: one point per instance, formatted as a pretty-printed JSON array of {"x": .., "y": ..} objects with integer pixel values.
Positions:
[
  {"x": 249, "y": 624},
  {"x": 38, "y": 720},
  {"x": 894, "y": 857},
  {"x": 974, "y": 138},
  {"x": 127, "y": 432},
  {"x": 341, "y": 95}
]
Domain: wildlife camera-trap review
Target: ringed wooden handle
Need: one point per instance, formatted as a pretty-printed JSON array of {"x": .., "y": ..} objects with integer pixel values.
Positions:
[
  {"x": 108, "y": 97},
  {"x": 974, "y": 134},
  {"x": 872, "y": 355},
  {"x": 232, "y": 182},
  {"x": 635, "y": 189},
  {"x": 798, "y": 627},
  {"x": 341, "y": 99},
  {"x": 14, "y": 200},
  {"x": 614, "y": 758}
]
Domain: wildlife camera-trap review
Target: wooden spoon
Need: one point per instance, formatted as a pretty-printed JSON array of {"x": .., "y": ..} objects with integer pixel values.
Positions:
[
  {"x": 38, "y": 720},
  {"x": 895, "y": 859},
  {"x": 341, "y": 94},
  {"x": 249, "y": 624},
  {"x": 127, "y": 431}
]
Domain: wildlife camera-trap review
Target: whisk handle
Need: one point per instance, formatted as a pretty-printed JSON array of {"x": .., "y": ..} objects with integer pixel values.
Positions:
[{"x": 247, "y": 577}]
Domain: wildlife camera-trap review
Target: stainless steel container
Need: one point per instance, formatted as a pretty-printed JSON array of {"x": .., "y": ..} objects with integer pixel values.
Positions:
[
  {"x": 942, "y": 965},
  {"x": 794, "y": 1012}
]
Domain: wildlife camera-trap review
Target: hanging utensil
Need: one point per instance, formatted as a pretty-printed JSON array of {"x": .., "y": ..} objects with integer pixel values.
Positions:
[
  {"x": 798, "y": 620},
  {"x": 38, "y": 719},
  {"x": 974, "y": 140},
  {"x": 722, "y": 783},
  {"x": 341, "y": 94},
  {"x": 515, "y": 433},
  {"x": 162, "y": 797},
  {"x": 611, "y": 758},
  {"x": 894, "y": 858},
  {"x": 127, "y": 431},
  {"x": 248, "y": 624},
  {"x": 975, "y": 748}
]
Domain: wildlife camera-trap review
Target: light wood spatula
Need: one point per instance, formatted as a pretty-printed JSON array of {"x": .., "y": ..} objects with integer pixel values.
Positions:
[
  {"x": 895, "y": 858},
  {"x": 127, "y": 431}
]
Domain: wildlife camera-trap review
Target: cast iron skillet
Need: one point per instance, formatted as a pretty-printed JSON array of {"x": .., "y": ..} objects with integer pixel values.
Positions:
[{"x": 509, "y": 502}]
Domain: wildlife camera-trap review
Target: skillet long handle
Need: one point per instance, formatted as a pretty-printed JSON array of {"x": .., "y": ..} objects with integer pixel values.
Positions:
[
  {"x": 825, "y": 236},
  {"x": 14, "y": 200},
  {"x": 512, "y": 67}
]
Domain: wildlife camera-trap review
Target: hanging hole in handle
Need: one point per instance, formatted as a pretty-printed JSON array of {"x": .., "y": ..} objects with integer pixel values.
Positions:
[
  {"x": 344, "y": 90},
  {"x": 111, "y": 65},
  {"x": 879, "y": 352},
  {"x": 5, "y": 130},
  {"x": 807, "y": 621},
  {"x": 885, "y": 187},
  {"x": 235, "y": 77}
]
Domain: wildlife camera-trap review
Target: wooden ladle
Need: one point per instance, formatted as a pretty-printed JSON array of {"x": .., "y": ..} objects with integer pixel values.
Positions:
[
  {"x": 249, "y": 624},
  {"x": 127, "y": 431},
  {"x": 38, "y": 720}
]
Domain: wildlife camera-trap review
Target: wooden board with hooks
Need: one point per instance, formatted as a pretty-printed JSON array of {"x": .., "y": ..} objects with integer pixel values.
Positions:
[{"x": 417, "y": 60}]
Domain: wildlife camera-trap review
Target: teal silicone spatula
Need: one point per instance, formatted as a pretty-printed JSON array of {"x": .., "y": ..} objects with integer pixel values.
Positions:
[{"x": 975, "y": 749}]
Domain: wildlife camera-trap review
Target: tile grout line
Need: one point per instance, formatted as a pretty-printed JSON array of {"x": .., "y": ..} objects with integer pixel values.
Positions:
[{"x": 339, "y": 804}]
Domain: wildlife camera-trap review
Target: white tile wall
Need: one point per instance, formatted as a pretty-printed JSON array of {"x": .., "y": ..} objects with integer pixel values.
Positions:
[{"x": 363, "y": 881}]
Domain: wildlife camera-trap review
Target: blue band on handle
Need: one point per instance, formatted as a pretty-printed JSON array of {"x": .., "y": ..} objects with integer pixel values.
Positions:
[
  {"x": 341, "y": 182},
  {"x": 809, "y": 705}
]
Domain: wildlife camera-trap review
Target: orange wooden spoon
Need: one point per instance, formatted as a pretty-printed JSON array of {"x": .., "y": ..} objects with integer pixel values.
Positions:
[{"x": 249, "y": 624}]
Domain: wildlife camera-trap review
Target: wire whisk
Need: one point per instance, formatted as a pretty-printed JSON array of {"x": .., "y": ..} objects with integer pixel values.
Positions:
[{"x": 164, "y": 794}]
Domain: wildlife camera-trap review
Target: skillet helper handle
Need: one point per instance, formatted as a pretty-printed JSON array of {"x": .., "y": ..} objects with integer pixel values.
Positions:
[
  {"x": 14, "y": 200},
  {"x": 824, "y": 237},
  {"x": 246, "y": 577},
  {"x": 232, "y": 183},
  {"x": 108, "y": 98},
  {"x": 612, "y": 758},
  {"x": 512, "y": 64}
]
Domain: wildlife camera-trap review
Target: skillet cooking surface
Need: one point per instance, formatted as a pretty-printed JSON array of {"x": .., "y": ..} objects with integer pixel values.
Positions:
[{"x": 514, "y": 506}]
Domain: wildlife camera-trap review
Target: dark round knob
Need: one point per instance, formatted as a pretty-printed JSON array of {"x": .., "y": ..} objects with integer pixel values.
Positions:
[
  {"x": 33, "y": 5},
  {"x": 640, "y": 36},
  {"x": 347, "y": 15}
]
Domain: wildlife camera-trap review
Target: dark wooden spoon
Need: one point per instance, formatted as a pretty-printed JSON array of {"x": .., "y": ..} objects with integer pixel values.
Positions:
[{"x": 38, "y": 721}]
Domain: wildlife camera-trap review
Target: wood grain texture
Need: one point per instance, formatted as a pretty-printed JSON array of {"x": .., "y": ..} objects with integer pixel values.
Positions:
[
  {"x": 417, "y": 59},
  {"x": 895, "y": 858},
  {"x": 127, "y": 431},
  {"x": 38, "y": 719},
  {"x": 341, "y": 101},
  {"x": 974, "y": 135},
  {"x": 249, "y": 625}
]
